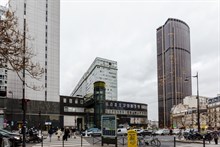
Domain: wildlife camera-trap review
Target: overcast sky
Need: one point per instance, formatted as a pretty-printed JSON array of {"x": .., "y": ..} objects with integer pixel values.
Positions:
[{"x": 125, "y": 31}]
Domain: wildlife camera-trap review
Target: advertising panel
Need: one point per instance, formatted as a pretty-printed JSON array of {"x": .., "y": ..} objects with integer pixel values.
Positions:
[{"x": 108, "y": 125}]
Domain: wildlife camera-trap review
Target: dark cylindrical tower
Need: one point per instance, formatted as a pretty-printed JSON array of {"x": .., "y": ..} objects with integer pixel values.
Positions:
[
  {"x": 173, "y": 66},
  {"x": 99, "y": 97}
]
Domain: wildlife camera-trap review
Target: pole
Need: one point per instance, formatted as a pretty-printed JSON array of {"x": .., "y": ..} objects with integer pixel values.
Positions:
[
  {"x": 40, "y": 128},
  {"x": 175, "y": 141},
  {"x": 12, "y": 110},
  {"x": 81, "y": 135},
  {"x": 198, "y": 113},
  {"x": 23, "y": 87}
]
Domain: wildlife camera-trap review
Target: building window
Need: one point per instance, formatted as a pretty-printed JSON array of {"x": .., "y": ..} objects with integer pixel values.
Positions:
[
  {"x": 64, "y": 100},
  {"x": 111, "y": 104},
  {"x": 76, "y": 101},
  {"x": 70, "y": 101},
  {"x": 65, "y": 109},
  {"x": 81, "y": 101}
]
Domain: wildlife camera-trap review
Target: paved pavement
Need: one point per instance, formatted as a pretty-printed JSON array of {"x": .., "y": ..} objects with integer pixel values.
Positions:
[
  {"x": 54, "y": 142},
  {"x": 85, "y": 142},
  {"x": 188, "y": 143}
]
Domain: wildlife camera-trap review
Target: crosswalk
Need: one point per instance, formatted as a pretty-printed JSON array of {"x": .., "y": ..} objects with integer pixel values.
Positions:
[{"x": 59, "y": 143}]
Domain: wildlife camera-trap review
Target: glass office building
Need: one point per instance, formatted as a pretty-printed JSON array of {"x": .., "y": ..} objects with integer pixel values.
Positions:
[{"x": 173, "y": 67}]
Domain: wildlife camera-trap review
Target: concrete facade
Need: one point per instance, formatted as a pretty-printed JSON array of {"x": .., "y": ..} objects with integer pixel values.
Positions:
[
  {"x": 43, "y": 27},
  {"x": 100, "y": 70},
  {"x": 185, "y": 114}
]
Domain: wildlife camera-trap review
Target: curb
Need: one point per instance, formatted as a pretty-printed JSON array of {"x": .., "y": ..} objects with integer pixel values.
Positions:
[{"x": 190, "y": 141}]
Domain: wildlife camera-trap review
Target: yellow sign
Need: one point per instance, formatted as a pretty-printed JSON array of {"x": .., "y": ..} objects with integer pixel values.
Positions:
[{"x": 132, "y": 138}]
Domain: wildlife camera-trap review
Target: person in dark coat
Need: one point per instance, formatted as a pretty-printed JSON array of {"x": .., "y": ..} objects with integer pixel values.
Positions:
[
  {"x": 66, "y": 134},
  {"x": 50, "y": 132},
  {"x": 1, "y": 140},
  {"x": 215, "y": 135}
]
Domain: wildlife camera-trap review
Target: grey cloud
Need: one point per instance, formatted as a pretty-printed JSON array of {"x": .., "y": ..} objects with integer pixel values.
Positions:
[{"x": 125, "y": 31}]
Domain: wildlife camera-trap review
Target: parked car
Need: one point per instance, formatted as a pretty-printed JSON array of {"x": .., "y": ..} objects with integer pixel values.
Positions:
[
  {"x": 122, "y": 131},
  {"x": 147, "y": 132},
  {"x": 139, "y": 131},
  {"x": 92, "y": 131},
  {"x": 176, "y": 131},
  {"x": 14, "y": 138},
  {"x": 163, "y": 132}
]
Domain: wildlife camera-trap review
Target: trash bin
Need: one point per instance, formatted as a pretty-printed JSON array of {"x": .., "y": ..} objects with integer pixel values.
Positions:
[{"x": 132, "y": 138}]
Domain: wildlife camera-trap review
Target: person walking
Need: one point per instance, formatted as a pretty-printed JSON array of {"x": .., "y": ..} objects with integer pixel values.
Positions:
[
  {"x": 50, "y": 132},
  {"x": 180, "y": 135},
  {"x": 66, "y": 134},
  {"x": 58, "y": 133},
  {"x": 74, "y": 132},
  {"x": 1, "y": 140},
  {"x": 215, "y": 135}
]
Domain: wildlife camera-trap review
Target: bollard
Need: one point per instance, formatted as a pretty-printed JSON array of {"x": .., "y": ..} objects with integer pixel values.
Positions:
[
  {"x": 203, "y": 140},
  {"x": 81, "y": 141},
  {"x": 63, "y": 141},
  {"x": 42, "y": 138},
  {"x": 174, "y": 141},
  {"x": 123, "y": 140}
]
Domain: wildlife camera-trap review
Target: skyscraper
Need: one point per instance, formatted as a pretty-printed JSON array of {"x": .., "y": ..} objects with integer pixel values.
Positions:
[
  {"x": 101, "y": 70},
  {"x": 43, "y": 26},
  {"x": 173, "y": 67}
]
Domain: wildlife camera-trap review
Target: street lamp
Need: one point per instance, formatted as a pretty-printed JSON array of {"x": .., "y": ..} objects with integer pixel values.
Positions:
[
  {"x": 12, "y": 106},
  {"x": 197, "y": 96}
]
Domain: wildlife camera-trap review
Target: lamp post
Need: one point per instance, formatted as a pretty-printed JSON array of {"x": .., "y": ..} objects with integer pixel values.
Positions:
[
  {"x": 197, "y": 96},
  {"x": 12, "y": 109},
  {"x": 198, "y": 113}
]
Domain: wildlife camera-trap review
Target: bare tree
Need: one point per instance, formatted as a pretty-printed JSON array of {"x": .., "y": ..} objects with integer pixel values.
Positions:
[{"x": 14, "y": 55}]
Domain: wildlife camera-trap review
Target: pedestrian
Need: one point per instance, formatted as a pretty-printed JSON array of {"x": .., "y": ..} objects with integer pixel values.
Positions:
[
  {"x": 1, "y": 140},
  {"x": 58, "y": 133},
  {"x": 171, "y": 131},
  {"x": 50, "y": 132},
  {"x": 74, "y": 132},
  {"x": 215, "y": 135},
  {"x": 66, "y": 133},
  {"x": 180, "y": 135}
]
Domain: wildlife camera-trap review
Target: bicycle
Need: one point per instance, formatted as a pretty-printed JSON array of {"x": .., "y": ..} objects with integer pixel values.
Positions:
[{"x": 152, "y": 141}]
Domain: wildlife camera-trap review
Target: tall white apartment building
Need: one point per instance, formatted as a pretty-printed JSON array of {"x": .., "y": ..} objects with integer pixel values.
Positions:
[
  {"x": 101, "y": 70},
  {"x": 3, "y": 71},
  {"x": 43, "y": 26}
]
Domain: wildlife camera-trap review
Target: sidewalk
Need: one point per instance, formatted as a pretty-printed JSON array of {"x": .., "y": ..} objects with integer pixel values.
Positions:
[
  {"x": 87, "y": 141},
  {"x": 198, "y": 142}
]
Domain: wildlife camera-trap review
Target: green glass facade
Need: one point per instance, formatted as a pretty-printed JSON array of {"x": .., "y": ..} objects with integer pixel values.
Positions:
[{"x": 99, "y": 97}]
